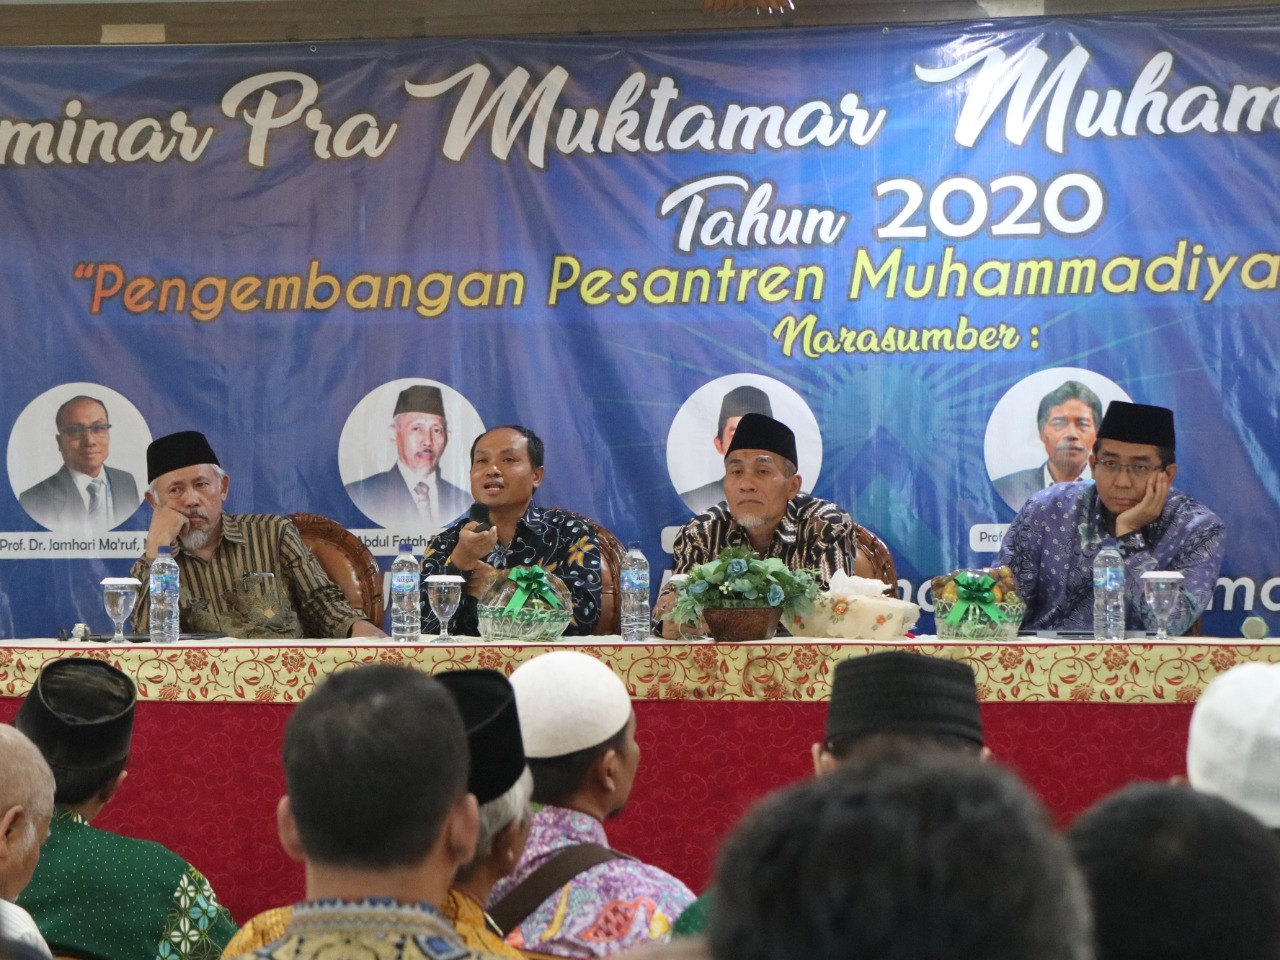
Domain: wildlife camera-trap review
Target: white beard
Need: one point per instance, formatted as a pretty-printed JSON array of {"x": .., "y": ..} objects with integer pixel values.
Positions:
[{"x": 195, "y": 540}]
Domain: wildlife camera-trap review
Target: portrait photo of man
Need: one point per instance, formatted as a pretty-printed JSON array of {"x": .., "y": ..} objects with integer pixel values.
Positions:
[
  {"x": 84, "y": 495},
  {"x": 1067, "y": 421},
  {"x": 411, "y": 496},
  {"x": 736, "y": 404}
]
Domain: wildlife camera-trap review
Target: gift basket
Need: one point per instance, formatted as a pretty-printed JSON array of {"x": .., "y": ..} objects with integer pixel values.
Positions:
[{"x": 525, "y": 603}]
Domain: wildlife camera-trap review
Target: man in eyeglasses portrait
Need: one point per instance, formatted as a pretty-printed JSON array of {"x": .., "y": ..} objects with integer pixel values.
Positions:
[
  {"x": 1053, "y": 541},
  {"x": 1067, "y": 421},
  {"x": 85, "y": 495}
]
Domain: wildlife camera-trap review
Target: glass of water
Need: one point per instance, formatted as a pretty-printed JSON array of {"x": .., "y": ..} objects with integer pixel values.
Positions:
[
  {"x": 119, "y": 595},
  {"x": 1161, "y": 589},
  {"x": 444, "y": 593}
]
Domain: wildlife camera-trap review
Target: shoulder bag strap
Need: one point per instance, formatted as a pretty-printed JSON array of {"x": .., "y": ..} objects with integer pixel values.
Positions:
[{"x": 509, "y": 912}]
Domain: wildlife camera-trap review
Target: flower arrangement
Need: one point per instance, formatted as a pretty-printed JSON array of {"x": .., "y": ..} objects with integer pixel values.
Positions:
[{"x": 738, "y": 579}]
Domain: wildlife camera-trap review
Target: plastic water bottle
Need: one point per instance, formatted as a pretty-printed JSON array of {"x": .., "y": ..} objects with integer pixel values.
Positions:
[
  {"x": 635, "y": 595},
  {"x": 1108, "y": 593},
  {"x": 406, "y": 596},
  {"x": 164, "y": 597}
]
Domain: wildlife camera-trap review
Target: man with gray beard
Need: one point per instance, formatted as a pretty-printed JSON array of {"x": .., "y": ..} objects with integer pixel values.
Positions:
[
  {"x": 765, "y": 510},
  {"x": 216, "y": 550}
]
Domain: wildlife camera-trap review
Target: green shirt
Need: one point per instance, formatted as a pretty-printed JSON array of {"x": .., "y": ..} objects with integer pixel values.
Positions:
[{"x": 101, "y": 895}]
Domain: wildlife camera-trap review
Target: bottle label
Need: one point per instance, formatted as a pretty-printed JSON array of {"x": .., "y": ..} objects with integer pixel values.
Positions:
[{"x": 404, "y": 582}]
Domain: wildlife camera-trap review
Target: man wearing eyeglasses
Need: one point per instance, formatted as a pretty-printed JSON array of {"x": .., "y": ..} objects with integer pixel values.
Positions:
[
  {"x": 1053, "y": 541},
  {"x": 1068, "y": 423},
  {"x": 85, "y": 495}
]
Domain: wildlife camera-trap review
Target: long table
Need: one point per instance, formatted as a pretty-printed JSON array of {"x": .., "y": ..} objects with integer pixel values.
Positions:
[{"x": 719, "y": 725}]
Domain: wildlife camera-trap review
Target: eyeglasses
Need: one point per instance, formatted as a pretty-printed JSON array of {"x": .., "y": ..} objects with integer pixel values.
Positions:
[
  {"x": 1139, "y": 471},
  {"x": 1061, "y": 423},
  {"x": 78, "y": 432}
]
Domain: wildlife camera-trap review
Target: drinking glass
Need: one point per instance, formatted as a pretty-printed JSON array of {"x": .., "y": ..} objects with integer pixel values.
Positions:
[
  {"x": 444, "y": 593},
  {"x": 119, "y": 595},
  {"x": 1161, "y": 588}
]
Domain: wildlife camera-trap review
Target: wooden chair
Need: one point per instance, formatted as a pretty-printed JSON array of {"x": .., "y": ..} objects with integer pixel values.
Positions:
[
  {"x": 873, "y": 559},
  {"x": 611, "y": 555},
  {"x": 346, "y": 560}
]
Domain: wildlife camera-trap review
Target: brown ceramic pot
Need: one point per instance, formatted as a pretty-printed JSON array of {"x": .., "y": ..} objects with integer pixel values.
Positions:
[{"x": 742, "y": 624}]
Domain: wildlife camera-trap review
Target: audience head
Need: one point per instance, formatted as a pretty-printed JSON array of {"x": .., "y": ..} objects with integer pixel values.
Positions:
[
  {"x": 26, "y": 807},
  {"x": 900, "y": 855},
  {"x": 902, "y": 695},
  {"x": 1233, "y": 750},
  {"x": 499, "y": 778},
  {"x": 506, "y": 467},
  {"x": 579, "y": 732},
  {"x": 184, "y": 474},
  {"x": 79, "y": 714},
  {"x": 419, "y": 429},
  {"x": 1175, "y": 874},
  {"x": 375, "y": 763}
]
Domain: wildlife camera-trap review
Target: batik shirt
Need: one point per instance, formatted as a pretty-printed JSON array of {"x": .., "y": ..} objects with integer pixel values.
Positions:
[
  {"x": 611, "y": 907},
  {"x": 560, "y": 542},
  {"x": 98, "y": 894},
  {"x": 1054, "y": 539},
  {"x": 370, "y": 930},
  {"x": 214, "y": 597},
  {"x": 813, "y": 533},
  {"x": 474, "y": 927}
]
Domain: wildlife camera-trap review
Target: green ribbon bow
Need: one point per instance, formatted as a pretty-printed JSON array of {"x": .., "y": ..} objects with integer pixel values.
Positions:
[
  {"x": 975, "y": 591},
  {"x": 531, "y": 582}
]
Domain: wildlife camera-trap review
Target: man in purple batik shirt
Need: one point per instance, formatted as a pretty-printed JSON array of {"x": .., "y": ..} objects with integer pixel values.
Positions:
[
  {"x": 579, "y": 738},
  {"x": 1053, "y": 541}
]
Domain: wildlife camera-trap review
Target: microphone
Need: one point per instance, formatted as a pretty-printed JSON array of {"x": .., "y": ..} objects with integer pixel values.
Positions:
[{"x": 480, "y": 514}]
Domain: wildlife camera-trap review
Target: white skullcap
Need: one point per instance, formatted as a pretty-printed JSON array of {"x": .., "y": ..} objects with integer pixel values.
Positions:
[
  {"x": 1233, "y": 749},
  {"x": 568, "y": 702}
]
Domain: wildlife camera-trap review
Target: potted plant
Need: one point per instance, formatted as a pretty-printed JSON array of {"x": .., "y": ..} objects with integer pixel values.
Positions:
[{"x": 741, "y": 597}]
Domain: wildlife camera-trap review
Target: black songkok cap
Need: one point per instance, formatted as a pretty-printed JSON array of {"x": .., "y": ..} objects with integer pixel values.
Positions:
[
  {"x": 488, "y": 707},
  {"x": 758, "y": 432},
  {"x": 1137, "y": 423},
  {"x": 186, "y": 449},
  {"x": 903, "y": 693},
  {"x": 740, "y": 401},
  {"x": 420, "y": 399},
  {"x": 80, "y": 714}
]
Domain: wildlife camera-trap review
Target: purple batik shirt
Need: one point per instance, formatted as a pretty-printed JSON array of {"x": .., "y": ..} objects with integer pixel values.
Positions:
[
  {"x": 612, "y": 907},
  {"x": 1053, "y": 540}
]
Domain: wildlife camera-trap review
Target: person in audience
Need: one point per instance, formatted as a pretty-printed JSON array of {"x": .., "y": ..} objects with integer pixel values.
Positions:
[
  {"x": 905, "y": 853},
  {"x": 1233, "y": 747},
  {"x": 412, "y": 496},
  {"x": 1177, "y": 874},
  {"x": 26, "y": 807},
  {"x": 375, "y": 764},
  {"x": 506, "y": 470},
  {"x": 898, "y": 697},
  {"x": 765, "y": 510},
  {"x": 1068, "y": 420},
  {"x": 501, "y": 783},
  {"x": 85, "y": 494},
  {"x": 736, "y": 404},
  {"x": 215, "y": 550},
  {"x": 97, "y": 894},
  {"x": 571, "y": 895},
  {"x": 1054, "y": 539}
]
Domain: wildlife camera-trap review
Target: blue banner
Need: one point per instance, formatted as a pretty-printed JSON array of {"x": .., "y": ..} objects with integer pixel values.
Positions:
[{"x": 906, "y": 238}]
